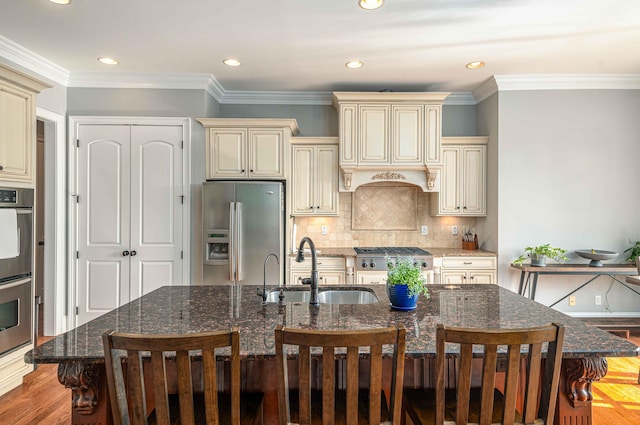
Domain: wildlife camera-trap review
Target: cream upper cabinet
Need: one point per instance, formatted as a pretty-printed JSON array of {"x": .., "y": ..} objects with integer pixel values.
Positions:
[
  {"x": 314, "y": 176},
  {"x": 387, "y": 136},
  {"x": 242, "y": 148},
  {"x": 17, "y": 124},
  {"x": 463, "y": 179},
  {"x": 373, "y": 134},
  {"x": 407, "y": 134}
]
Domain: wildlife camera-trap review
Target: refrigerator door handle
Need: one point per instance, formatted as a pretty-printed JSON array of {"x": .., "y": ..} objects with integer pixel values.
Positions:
[
  {"x": 232, "y": 243},
  {"x": 239, "y": 274}
]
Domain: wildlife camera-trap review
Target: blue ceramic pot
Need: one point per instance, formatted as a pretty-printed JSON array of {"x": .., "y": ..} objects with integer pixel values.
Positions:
[{"x": 400, "y": 298}]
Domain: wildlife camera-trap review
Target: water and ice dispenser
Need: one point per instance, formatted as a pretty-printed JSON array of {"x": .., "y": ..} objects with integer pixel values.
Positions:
[{"x": 216, "y": 246}]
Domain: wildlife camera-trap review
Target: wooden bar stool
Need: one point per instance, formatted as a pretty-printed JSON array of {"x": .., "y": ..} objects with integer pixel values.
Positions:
[
  {"x": 328, "y": 406},
  {"x": 487, "y": 405},
  {"x": 127, "y": 388}
]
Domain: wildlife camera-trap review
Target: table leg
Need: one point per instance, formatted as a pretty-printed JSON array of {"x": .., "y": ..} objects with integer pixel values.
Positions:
[
  {"x": 574, "y": 394},
  {"x": 534, "y": 285},
  {"x": 521, "y": 287}
]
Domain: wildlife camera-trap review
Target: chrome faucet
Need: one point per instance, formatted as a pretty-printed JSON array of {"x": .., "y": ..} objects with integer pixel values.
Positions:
[
  {"x": 264, "y": 277},
  {"x": 313, "y": 280}
]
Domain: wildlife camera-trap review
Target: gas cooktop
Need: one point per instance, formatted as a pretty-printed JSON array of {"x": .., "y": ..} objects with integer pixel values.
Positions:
[{"x": 391, "y": 251}]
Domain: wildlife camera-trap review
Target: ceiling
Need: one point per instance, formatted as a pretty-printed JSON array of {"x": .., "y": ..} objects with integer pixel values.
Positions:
[{"x": 303, "y": 45}]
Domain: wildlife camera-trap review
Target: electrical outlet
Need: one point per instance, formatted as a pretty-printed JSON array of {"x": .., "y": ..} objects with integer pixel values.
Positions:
[
  {"x": 572, "y": 301},
  {"x": 454, "y": 230},
  {"x": 598, "y": 300},
  {"x": 324, "y": 230},
  {"x": 424, "y": 230}
]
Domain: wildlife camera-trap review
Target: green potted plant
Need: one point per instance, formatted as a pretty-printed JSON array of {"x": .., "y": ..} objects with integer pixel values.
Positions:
[
  {"x": 539, "y": 255},
  {"x": 634, "y": 251},
  {"x": 405, "y": 283}
]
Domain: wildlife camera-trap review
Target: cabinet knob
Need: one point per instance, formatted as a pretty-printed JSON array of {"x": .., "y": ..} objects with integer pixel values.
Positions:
[
  {"x": 243, "y": 170},
  {"x": 251, "y": 171},
  {"x": 133, "y": 253},
  {"x": 458, "y": 208},
  {"x": 311, "y": 207},
  {"x": 125, "y": 253},
  {"x": 318, "y": 207},
  {"x": 1, "y": 167},
  {"x": 464, "y": 207}
]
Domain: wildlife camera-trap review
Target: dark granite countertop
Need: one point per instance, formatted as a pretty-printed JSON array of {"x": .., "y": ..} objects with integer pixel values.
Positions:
[
  {"x": 186, "y": 309},
  {"x": 437, "y": 252}
]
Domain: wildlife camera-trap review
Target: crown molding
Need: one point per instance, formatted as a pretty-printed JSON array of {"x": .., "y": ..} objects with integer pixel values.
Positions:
[
  {"x": 139, "y": 81},
  {"x": 32, "y": 62},
  {"x": 485, "y": 90},
  {"x": 215, "y": 89},
  {"x": 460, "y": 98},
  {"x": 568, "y": 82}
]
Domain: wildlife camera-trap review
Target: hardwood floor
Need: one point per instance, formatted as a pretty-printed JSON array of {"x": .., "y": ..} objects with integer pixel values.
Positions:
[
  {"x": 42, "y": 400},
  {"x": 616, "y": 398}
]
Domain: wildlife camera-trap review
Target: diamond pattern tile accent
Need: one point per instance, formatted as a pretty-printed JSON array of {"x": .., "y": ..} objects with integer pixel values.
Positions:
[{"x": 385, "y": 208}]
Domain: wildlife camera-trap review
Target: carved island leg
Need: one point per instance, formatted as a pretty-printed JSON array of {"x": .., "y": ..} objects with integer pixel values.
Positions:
[
  {"x": 574, "y": 394},
  {"x": 89, "y": 395}
]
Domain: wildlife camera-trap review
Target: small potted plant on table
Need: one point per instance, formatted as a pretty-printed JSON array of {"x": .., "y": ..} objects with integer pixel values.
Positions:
[
  {"x": 405, "y": 283},
  {"x": 539, "y": 255}
]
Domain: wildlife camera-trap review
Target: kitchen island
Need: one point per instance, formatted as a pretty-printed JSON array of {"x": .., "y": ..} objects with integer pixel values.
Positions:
[{"x": 187, "y": 309}]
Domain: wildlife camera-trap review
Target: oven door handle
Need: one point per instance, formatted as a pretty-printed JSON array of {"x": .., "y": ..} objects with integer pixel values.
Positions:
[{"x": 13, "y": 283}]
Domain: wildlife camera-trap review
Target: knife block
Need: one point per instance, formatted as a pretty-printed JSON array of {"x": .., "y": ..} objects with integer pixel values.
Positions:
[{"x": 470, "y": 246}]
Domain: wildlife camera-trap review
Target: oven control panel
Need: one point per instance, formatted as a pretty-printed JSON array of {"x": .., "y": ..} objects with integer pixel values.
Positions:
[{"x": 8, "y": 196}]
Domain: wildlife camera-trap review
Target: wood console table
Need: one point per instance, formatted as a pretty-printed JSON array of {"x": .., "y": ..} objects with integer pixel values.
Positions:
[{"x": 529, "y": 275}]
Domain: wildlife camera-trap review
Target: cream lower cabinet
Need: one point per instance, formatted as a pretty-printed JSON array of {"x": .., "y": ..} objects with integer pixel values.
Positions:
[
  {"x": 238, "y": 148},
  {"x": 331, "y": 270},
  {"x": 374, "y": 278},
  {"x": 457, "y": 270},
  {"x": 17, "y": 124},
  {"x": 314, "y": 172},
  {"x": 463, "y": 179}
]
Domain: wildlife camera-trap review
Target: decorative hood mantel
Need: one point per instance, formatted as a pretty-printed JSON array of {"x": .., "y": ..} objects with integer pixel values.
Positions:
[{"x": 389, "y": 136}]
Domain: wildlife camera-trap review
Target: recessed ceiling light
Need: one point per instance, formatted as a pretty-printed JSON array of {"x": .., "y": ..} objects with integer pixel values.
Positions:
[
  {"x": 370, "y": 4},
  {"x": 475, "y": 65},
  {"x": 60, "y": 1},
  {"x": 108, "y": 61},
  {"x": 354, "y": 64},
  {"x": 231, "y": 62}
]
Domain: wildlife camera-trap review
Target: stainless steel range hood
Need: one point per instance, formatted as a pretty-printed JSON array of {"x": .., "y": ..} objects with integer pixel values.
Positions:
[{"x": 390, "y": 137}]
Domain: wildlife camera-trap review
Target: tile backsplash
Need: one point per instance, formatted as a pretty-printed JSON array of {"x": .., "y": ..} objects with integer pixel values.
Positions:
[{"x": 340, "y": 233}]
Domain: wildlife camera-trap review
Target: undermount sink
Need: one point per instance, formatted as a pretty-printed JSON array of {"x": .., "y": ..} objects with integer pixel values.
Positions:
[
  {"x": 289, "y": 296},
  {"x": 341, "y": 296},
  {"x": 327, "y": 296}
]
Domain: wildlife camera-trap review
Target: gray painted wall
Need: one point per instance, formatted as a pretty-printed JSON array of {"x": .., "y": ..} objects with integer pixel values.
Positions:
[
  {"x": 568, "y": 167},
  {"x": 487, "y": 228},
  {"x": 459, "y": 120},
  {"x": 313, "y": 120}
]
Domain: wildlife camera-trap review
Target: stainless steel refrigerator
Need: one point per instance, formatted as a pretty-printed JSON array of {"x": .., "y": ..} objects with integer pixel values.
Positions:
[{"x": 243, "y": 222}]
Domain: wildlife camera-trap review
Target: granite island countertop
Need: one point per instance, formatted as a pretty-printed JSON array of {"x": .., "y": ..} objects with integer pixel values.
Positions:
[{"x": 188, "y": 309}]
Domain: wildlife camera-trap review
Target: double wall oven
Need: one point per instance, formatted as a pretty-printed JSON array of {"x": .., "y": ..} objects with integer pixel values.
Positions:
[
  {"x": 16, "y": 300},
  {"x": 371, "y": 263}
]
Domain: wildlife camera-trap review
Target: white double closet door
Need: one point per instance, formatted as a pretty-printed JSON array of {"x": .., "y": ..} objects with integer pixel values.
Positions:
[{"x": 129, "y": 214}]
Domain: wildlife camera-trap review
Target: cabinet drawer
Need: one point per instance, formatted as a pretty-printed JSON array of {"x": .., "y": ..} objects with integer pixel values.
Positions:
[
  {"x": 324, "y": 263},
  {"x": 469, "y": 262}
]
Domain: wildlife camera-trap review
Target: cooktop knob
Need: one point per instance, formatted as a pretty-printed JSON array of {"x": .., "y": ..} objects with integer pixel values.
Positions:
[
  {"x": 365, "y": 264},
  {"x": 372, "y": 265},
  {"x": 424, "y": 264}
]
